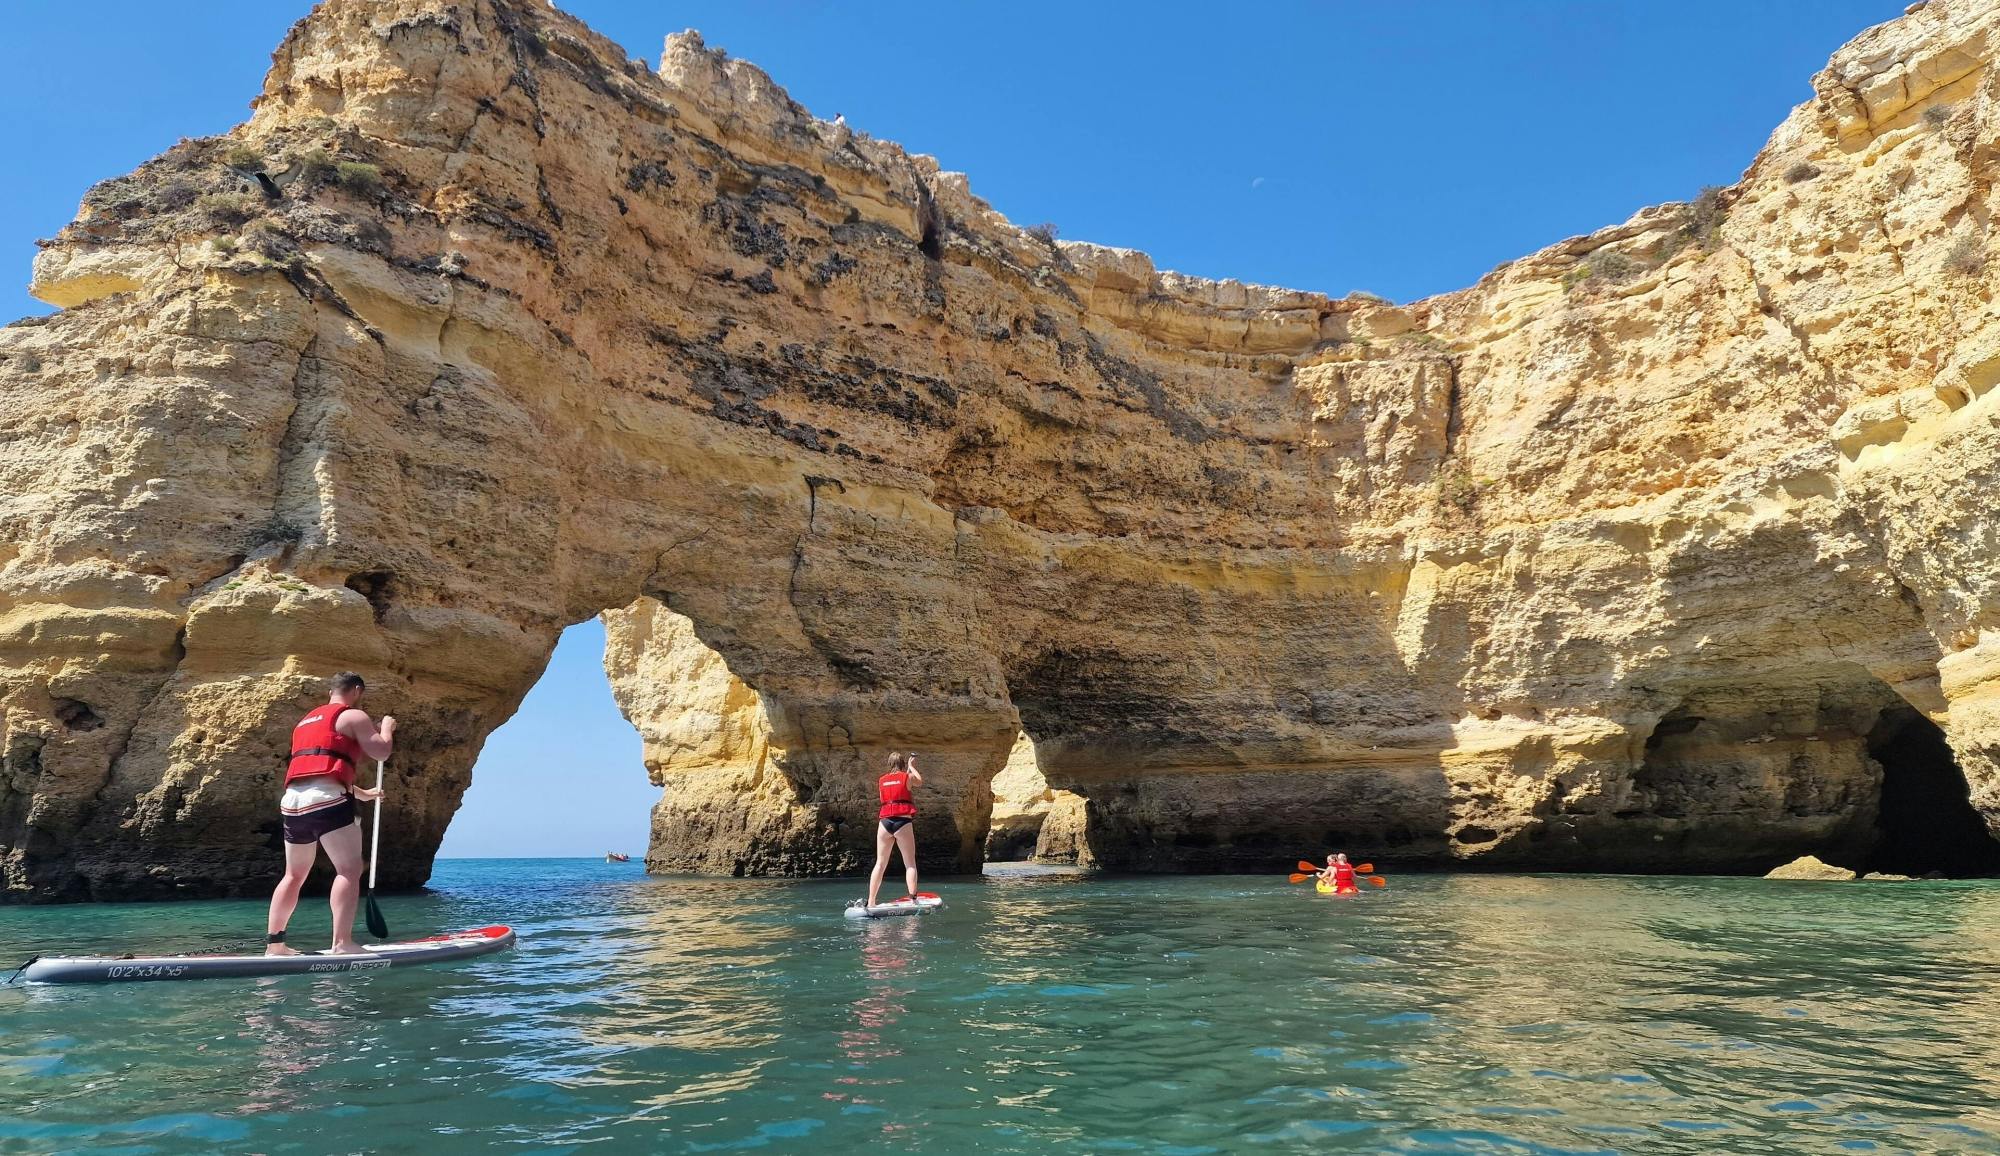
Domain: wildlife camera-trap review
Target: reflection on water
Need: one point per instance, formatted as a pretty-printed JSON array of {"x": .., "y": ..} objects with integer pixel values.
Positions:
[{"x": 1047, "y": 1013}]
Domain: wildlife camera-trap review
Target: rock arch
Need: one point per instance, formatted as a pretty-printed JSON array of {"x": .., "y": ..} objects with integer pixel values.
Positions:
[{"x": 522, "y": 331}]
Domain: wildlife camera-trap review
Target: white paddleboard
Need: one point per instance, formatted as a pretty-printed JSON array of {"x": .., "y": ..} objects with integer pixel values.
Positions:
[
  {"x": 373, "y": 957},
  {"x": 926, "y": 901}
]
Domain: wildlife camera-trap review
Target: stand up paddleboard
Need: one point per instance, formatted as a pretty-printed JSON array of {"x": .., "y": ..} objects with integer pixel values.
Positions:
[
  {"x": 374, "y": 957},
  {"x": 926, "y": 901}
]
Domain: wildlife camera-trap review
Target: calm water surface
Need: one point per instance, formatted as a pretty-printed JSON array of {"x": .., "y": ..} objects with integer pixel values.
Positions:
[{"x": 1043, "y": 1013}]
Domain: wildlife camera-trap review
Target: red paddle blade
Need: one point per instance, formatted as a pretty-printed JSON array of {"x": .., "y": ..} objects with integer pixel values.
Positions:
[
  {"x": 1378, "y": 881},
  {"x": 1305, "y": 866},
  {"x": 1364, "y": 869},
  {"x": 1297, "y": 878}
]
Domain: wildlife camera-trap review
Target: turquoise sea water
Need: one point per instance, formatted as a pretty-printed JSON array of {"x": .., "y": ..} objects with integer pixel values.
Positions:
[{"x": 1043, "y": 1013}]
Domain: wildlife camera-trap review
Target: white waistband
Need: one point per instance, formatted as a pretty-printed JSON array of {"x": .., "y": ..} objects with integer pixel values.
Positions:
[{"x": 310, "y": 795}]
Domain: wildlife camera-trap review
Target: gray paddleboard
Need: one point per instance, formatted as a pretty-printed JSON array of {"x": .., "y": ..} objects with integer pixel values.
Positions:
[
  {"x": 374, "y": 957},
  {"x": 925, "y": 902}
]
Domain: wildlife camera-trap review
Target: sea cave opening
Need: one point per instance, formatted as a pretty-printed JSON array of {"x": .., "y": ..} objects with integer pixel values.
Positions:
[
  {"x": 1033, "y": 822},
  {"x": 1744, "y": 777},
  {"x": 1926, "y": 822}
]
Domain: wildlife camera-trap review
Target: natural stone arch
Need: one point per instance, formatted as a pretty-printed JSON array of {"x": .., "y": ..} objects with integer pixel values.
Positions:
[
  {"x": 747, "y": 791},
  {"x": 1032, "y": 820},
  {"x": 1419, "y": 574}
]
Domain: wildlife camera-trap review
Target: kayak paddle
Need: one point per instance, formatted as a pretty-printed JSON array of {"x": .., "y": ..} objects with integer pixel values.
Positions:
[
  {"x": 377, "y": 926},
  {"x": 1307, "y": 871},
  {"x": 1315, "y": 868}
]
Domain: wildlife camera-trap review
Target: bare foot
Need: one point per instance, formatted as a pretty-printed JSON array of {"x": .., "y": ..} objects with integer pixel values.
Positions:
[
  {"x": 348, "y": 948},
  {"x": 280, "y": 949}
]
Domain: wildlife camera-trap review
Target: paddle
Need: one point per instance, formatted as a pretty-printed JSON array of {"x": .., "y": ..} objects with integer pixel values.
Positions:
[
  {"x": 377, "y": 926},
  {"x": 1308, "y": 870}
]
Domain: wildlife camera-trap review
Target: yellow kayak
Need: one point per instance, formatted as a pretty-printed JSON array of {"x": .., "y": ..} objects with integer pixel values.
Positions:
[{"x": 1325, "y": 888}]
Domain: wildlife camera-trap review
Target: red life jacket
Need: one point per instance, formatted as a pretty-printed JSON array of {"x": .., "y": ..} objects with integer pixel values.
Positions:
[
  {"x": 1343, "y": 877},
  {"x": 897, "y": 803},
  {"x": 319, "y": 749}
]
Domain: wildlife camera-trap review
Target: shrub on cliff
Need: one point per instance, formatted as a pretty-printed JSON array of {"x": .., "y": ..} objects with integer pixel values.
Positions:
[
  {"x": 1967, "y": 258},
  {"x": 1705, "y": 215},
  {"x": 1457, "y": 490},
  {"x": 1803, "y": 171},
  {"x": 358, "y": 177},
  {"x": 243, "y": 157},
  {"x": 224, "y": 211},
  {"x": 315, "y": 166},
  {"x": 1046, "y": 233},
  {"x": 1606, "y": 265}
]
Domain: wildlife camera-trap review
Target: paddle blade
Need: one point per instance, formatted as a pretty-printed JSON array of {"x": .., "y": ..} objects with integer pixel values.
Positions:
[
  {"x": 1365, "y": 869},
  {"x": 1301, "y": 878},
  {"x": 1377, "y": 880},
  {"x": 377, "y": 926},
  {"x": 1305, "y": 866}
]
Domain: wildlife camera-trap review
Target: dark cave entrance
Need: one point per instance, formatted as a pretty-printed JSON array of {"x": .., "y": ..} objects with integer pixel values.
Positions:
[{"x": 1926, "y": 822}]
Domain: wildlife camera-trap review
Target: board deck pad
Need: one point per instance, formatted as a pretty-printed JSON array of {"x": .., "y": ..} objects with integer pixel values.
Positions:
[
  {"x": 373, "y": 957},
  {"x": 926, "y": 901}
]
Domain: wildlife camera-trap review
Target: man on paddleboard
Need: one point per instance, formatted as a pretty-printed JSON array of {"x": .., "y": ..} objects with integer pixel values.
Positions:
[
  {"x": 1339, "y": 874},
  {"x": 896, "y": 828},
  {"x": 318, "y": 808}
]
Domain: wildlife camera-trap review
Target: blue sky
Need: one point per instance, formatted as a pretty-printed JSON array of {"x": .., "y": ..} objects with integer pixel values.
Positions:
[{"x": 1399, "y": 148}]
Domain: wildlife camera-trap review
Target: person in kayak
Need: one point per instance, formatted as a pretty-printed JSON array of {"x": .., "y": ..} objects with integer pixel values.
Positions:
[
  {"x": 896, "y": 828},
  {"x": 317, "y": 810},
  {"x": 1339, "y": 874}
]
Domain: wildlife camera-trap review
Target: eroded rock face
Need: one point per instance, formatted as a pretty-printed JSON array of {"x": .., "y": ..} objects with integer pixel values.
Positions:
[
  {"x": 479, "y": 328},
  {"x": 1022, "y": 803}
]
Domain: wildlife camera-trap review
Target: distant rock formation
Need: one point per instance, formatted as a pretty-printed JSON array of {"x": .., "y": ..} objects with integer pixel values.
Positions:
[
  {"x": 1668, "y": 548},
  {"x": 1809, "y": 868}
]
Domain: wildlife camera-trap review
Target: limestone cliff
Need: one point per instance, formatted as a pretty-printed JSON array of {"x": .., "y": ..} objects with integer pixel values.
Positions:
[{"x": 1666, "y": 548}]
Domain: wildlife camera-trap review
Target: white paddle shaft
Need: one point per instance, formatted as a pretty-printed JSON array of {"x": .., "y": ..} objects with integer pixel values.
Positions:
[{"x": 377, "y": 855}]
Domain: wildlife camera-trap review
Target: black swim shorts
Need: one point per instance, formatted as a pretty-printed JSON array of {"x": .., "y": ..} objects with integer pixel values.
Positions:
[
  {"x": 310, "y": 826},
  {"x": 896, "y": 824}
]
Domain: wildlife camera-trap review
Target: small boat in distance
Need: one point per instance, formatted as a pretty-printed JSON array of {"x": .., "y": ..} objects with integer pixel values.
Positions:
[{"x": 615, "y": 857}]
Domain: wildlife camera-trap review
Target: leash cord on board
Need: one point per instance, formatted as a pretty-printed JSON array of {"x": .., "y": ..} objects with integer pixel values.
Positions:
[{"x": 22, "y": 968}]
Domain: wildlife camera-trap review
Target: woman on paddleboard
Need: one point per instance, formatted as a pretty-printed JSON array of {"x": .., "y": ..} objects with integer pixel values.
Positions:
[
  {"x": 317, "y": 810},
  {"x": 1339, "y": 874},
  {"x": 897, "y": 823}
]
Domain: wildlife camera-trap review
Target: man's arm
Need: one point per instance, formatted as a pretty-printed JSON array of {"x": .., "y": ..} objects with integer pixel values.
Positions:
[{"x": 376, "y": 744}]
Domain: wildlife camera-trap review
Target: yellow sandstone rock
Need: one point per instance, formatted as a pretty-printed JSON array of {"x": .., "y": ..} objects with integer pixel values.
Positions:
[
  {"x": 1809, "y": 868},
  {"x": 1659, "y": 549}
]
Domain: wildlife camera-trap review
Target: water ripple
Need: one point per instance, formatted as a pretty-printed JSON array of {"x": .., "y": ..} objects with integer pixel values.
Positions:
[{"x": 1046, "y": 1013}]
